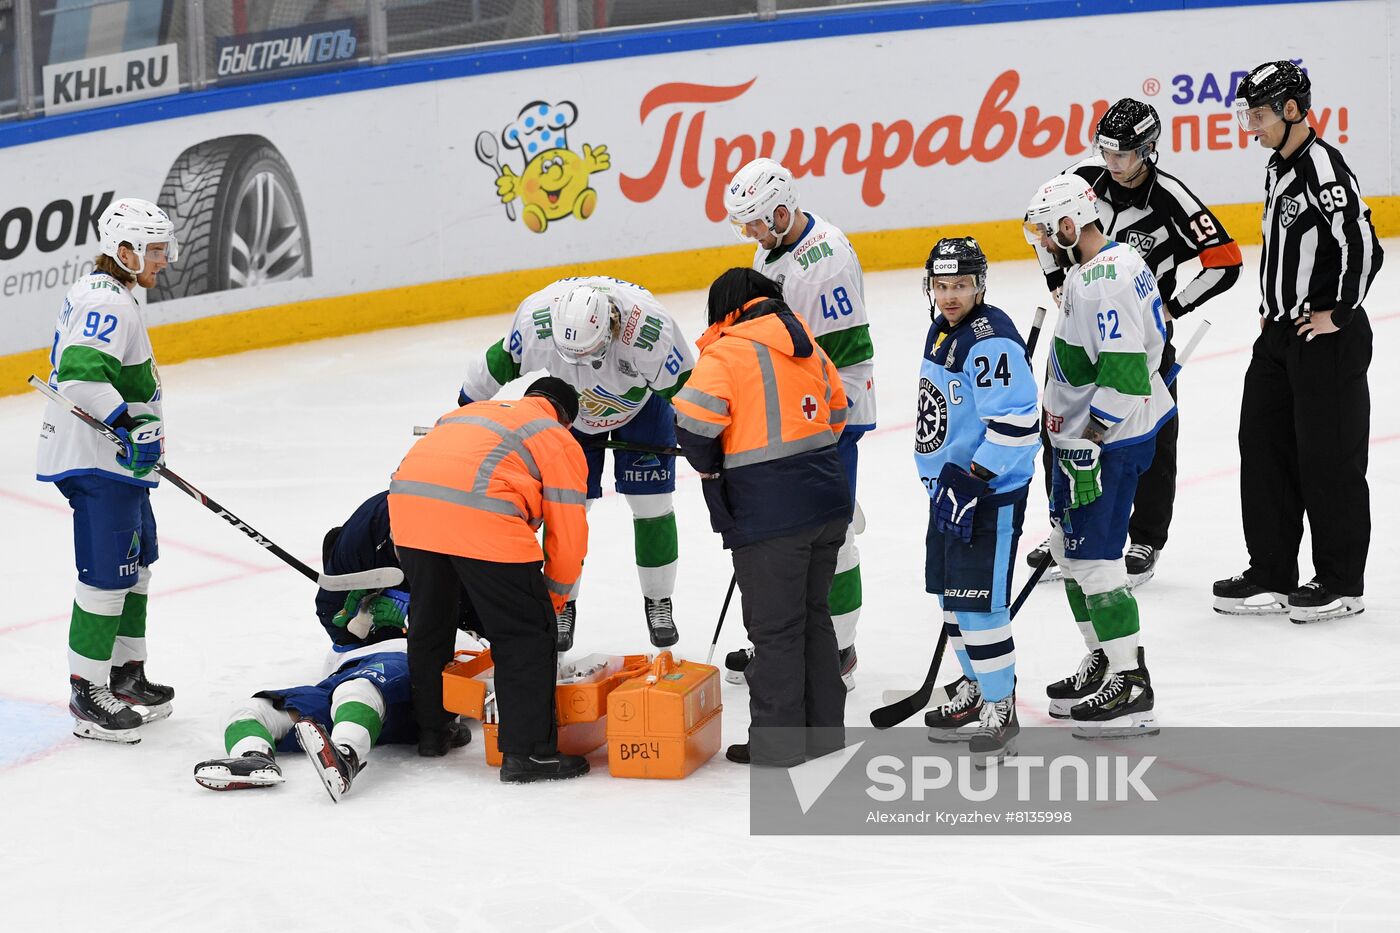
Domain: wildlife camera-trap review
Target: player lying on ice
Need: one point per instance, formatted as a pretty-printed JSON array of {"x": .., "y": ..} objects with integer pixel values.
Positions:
[{"x": 364, "y": 698}]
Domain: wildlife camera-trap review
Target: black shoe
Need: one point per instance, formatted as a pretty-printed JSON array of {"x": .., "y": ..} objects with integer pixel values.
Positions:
[
  {"x": 847, "y": 659},
  {"x": 997, "y": 727},
  {"x": 1084, "y": 682},
  {"x": 1313, "y": 602},
  {"x": 336, "y": 765},
  {"x": 526, "y": 769},
  {"x": 1141, "y": 562},
  {"x": 129, "y": 684},
  {"x": 564, "y": 634},
  {"x": 253, "y": 769},
  {"x": 739, "y": 754},
  {"x": 1239, "y": 597},
  {"x": 434, "y": 743},
  {"x": 1123, "y": 707},
  {"x": 963, "y": 707},
  {"x": 97, "y": 714},
  {"x": 661, "y": 624},
  {"x": 735, "y": 663}
]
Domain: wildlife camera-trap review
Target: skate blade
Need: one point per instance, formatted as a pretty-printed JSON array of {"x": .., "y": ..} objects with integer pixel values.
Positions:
[
  {"x": 315, "y": 747},
  {"x": 217, "y": 777},
  {"x": 1228, "y": 606},
  {"x": 1136, "y": 580},
  {"x": 735, "y": 677},
  {"x": 985, "y": 760},
  {"x": 89, "y": 730},
  {"x": 849, "y": 680},
  {"x": 1138, "y": 725},
  {"x": 150, "y": 714},
  {"x": 942, "y": 736},
  {"x": 1338, "y": 609},
  {"x": 1051, "y": 574}
]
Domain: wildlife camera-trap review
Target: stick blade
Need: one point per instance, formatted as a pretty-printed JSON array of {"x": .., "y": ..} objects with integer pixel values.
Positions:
[{"x": 377, "y": 579}]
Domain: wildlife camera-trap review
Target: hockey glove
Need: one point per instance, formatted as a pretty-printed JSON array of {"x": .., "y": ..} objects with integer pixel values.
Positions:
[
  {"x": 144, "y": 437},
  {"x": 1079, "y": 459},
  {"x": 955, "y": 498},
  {"x": 382, "y": 608}
]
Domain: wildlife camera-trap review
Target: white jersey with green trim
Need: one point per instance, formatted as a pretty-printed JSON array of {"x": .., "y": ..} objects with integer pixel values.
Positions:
[
  {"x": 822, "y": 281},
  {"x": 1108, "y": 349},
  {"x": 102, "y": 360},
  {"x": 649, "y": 354}
]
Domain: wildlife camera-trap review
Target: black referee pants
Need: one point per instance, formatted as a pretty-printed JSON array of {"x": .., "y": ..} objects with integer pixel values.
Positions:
[
  {"x": 1305, "y": 422},
  {"x": 515, "y": 614},
  {"x": 795, "y": 675}
]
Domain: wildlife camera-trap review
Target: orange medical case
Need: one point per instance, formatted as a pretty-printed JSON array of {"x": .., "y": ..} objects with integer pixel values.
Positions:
[{"x": 667, "y": 723}]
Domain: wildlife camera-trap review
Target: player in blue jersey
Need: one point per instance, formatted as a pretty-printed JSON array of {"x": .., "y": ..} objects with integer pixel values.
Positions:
[
  {"x": 363, "y": 700},
  {"x": 975, "y": 443}
]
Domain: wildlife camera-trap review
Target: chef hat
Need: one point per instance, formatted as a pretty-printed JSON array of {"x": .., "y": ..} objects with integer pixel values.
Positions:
[{"x": 540, "y": 126}]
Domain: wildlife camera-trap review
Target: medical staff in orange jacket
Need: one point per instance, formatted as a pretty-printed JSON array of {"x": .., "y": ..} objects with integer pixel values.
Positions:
[
  {"x": 465, "y": 505},
  {"x": 759, "y": 419}
]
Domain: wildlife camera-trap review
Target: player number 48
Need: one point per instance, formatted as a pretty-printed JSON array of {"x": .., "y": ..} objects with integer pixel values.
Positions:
[{"x": 839, "y": 306}]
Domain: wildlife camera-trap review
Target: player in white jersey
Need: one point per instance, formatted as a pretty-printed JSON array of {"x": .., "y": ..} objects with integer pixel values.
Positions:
[
  {"x": 621, "y": 349},
  {"x": 821, "y": 280},
  {"x": 1105, "y": 400},
  {"x": 102, "y": 360}
]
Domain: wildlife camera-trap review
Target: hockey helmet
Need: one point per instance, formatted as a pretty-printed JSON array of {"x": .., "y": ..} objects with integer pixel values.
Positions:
[
  {"x": 139, "y": 224},
  {"x": 1271, "y": 86},
  {"x": 1060, "y": 197},
  {"x": 582, "y": 325},
  {"x": 756, "y": 192},
  {"x": 955, "y": 256},
  {"x": 1129, "y": 126}
]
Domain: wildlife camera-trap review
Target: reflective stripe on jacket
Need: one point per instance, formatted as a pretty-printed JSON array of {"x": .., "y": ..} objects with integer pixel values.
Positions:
[
  {"x": 481, "y": 482},
  {"x": 764, "y": 406}
]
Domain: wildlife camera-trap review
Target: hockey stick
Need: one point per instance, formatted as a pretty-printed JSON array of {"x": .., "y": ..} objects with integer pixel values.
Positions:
[
  {"x": 892, "y": 714},
  {"x": 900, "y": 707},
  {"x": 723, "y": 610},
  {"x": 420, "y": 430},
  {"x": 365, "y": 580}
]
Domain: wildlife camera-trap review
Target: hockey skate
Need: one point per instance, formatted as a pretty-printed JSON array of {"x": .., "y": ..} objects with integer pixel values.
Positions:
[
  {"x": 1312, "y": 602},
  {"x": 336, "y": 765},
  {"x": 129, "y": 684},
  {"x": 1238, "y": 597},
  {"x": 1141, "y": 561},
  {"x": 661, "y": 626},
  {"x": 253, "y": 769},
  {"x": 1082, "y": 683},
  {"x": 564, "y": 634},
  {"x": 846, "y": 657},
  {"x": 1041, "y": 552},
  {"x": 99, "y": 715},
  {"x": 1121, "y": 709},
  {"x": 994, "y": 735},
  {"x": 956, "y": 720},
  {"x": 735, "y": 663}
]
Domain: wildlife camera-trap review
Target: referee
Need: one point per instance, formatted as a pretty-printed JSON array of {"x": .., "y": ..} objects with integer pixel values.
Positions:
[
  {"x": 1156, "y": 214},
  {"x": 1305, "y": 414}
]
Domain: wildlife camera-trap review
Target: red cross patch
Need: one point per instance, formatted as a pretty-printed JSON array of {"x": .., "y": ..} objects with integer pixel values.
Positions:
[{"x": 809, "y": 407}]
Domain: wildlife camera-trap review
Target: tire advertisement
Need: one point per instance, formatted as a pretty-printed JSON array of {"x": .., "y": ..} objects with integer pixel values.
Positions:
[{"x": 443, "y": 180}]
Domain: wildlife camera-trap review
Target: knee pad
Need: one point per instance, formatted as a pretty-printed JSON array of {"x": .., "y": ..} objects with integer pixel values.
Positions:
[
  {"x": 100, "y": 602},
  {"x": 1095, "y": 576},
  {"x": 275, "y": 721},
  {"x": 651, "y": 506},
  {"x": 358, "y": 690}
]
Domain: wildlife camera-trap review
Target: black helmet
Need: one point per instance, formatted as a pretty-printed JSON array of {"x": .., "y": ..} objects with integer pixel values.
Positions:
[
  {"x": 1129, "y": 125},
  {"x": 961, "y": 255},
  {"x": 1273, "y": 84}
]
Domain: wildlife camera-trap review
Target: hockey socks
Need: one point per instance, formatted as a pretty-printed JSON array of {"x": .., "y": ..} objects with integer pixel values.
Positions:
[
  {"x": 658, "y": 548},
  {"x": 1079, "y": 606},
  {"x": 92, "y": 632},
  {"x": 1115, "y": 620},
  {"x": 844, "y": 598}
]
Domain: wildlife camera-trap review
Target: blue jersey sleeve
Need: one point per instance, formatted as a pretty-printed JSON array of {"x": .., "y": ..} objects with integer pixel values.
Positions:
[{"x": 1003, "y": 389}]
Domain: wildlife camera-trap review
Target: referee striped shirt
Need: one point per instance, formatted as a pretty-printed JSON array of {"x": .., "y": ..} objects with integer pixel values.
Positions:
[{"x": 1320, "y": 248}]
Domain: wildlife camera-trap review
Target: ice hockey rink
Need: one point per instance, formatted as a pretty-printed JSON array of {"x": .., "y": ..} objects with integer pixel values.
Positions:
[{"x": 293, "y": 439}]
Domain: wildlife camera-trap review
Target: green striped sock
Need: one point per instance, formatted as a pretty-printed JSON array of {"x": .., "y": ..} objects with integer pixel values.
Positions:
[
  {"x": 92, "y": 635},
  {"x": 133, "y": 623},
  {"x": 656, "y": 540},
  {"x": 1115, "y": 614},
  {"x": 845, "y": 593},
  {"x": 241, "y": 729},
  {"x": 1077, "y": 604},
  {"x": 361, "y": 715}
]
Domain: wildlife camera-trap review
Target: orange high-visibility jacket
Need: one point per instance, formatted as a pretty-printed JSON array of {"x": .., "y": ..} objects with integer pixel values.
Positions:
[{"x": 483, "y": 479}]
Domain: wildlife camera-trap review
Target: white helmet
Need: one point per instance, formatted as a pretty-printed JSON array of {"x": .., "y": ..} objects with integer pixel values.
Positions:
[
  {"x": 756, "y": 192},
  {"x": 1062, "y": 196},
  {"x": 583, "y": 324},
  {"x": 137, "y": 223}
]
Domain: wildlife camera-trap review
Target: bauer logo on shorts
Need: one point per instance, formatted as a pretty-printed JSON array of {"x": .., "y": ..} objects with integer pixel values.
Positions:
[{"x": 931, "y": 430}]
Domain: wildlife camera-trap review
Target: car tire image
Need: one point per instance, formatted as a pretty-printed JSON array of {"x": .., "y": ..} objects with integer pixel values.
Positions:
[{"x": 238, "y": 216}]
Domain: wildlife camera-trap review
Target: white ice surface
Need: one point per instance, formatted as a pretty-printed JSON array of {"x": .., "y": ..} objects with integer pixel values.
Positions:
[{"x": 292, "y": 439}]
